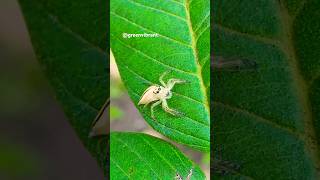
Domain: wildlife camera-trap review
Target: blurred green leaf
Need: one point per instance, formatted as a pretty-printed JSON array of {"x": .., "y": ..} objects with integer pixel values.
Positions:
[
  {"x": 17, "y": 162},
  {"x": 182, "y": 46},
  {"x": 266, "y": 121},
  {"x": 140, "y": 156},
  {"x": 206, "y": 158},
  {"x": 116, "y": 89},
  {"x": 115, "y": 113},
  {"x": 69, "y": 38}
]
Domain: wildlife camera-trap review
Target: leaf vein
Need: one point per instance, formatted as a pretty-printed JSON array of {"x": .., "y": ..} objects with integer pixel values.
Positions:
[
  {"x": 81, "y": 101},
  {"x": 161, "y": 157},
  {"x": 119, "y": 167},
  {"x": 55, "y": 20},
  {"x": 178, "y": 2},
  {"x": 138, "y": 155},
  {"x": 203, "y": 21},
  {"x": 147, "y": 29},
  {"x": 202, "y": 32},
  {"x": 151, "y": 58},
  {"x": 149, "y": 82},
  {"x": 181, "y": 132},
  {"x": 249, "y": 36},
  {"x": 158, "y": 10},
  {"x": 259, "y": 118},
  {"x": 199, "y": 122},
  {"x": 300, "y": 84}
]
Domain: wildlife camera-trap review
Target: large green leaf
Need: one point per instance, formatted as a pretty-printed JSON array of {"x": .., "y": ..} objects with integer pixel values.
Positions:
[
  {"x": 140, "y": 156},
  {"x": 182, "y": 47},
  {"x": 69, "y": 38},
  {"x": 266, "y": 121}
]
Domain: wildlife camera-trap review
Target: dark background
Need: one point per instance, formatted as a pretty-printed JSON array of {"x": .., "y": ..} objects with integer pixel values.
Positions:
[{"x": 36, "y": 141}]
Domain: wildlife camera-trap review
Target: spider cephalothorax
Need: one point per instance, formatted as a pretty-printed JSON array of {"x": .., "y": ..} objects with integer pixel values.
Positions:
[{"x": 158, "y": 94}]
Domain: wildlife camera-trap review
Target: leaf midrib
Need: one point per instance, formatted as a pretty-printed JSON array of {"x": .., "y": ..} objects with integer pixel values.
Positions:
[
  {"x": 196, "y": 57},
  {"x": 300, "y": 84},
  {"x": 287, "y": 45}
]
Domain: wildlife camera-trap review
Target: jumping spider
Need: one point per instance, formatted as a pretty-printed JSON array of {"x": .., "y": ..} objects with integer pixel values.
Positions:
[{"x": 158, "y": 94}]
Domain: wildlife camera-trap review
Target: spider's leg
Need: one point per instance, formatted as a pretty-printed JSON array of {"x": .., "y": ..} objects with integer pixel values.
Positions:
[
  {"x": 162, "y": 76},
  {"x": 190, "y": 174},
  {"x": 154, "y": 105},
  {"x": 174, "y": 81},
  {"x": 166, "y": 108}
]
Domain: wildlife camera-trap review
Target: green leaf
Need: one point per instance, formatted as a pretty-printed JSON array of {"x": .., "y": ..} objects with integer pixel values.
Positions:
[
  {"x": 69, "y": 38},
  {"x": 266, "y": 121},
  {"x": 141, "y": 156},
  {"x": 182, "y": 47}
]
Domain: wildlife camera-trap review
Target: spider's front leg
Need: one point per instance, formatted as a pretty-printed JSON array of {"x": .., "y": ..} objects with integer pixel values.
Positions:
[
  {"x": 152, "y": 106},
  {"x": 166, "y": 108},
  {"x": 190, "y": 174},
  {"x": 174, "y": 81},
  {"x": 161, "y": 78}
]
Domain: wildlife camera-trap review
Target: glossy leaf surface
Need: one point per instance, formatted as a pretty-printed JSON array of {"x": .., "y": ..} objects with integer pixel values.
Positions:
[
  {"x": 141, "y": 156},
  {"x": 182, "y": 47},
  {"x": 266, "y": 120},
  {"x": 69, "y": 39}
]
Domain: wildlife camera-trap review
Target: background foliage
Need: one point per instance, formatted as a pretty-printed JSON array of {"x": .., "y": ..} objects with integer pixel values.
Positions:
[
  {"x": 267, "y": 120},
  {"x": 73, "y": 54}
]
